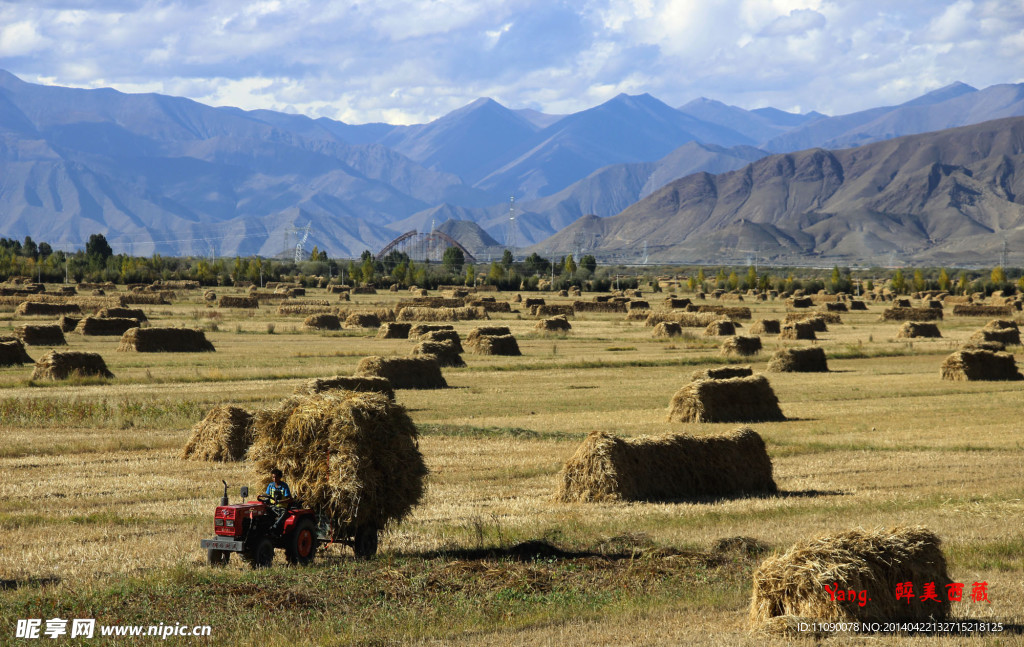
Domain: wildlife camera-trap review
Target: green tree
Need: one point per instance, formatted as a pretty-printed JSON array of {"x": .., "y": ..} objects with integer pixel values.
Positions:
[
  {"x": 367, "y": 270},
  {"x": 507, "y": 259},
  {"x": 961, "y": 284},
  {"x": 998, "y": 276},
  {"x": 29, "y": 247},
  {"x": 899, "y": 283},
  {"x": 570, "y": 265},
  {"x": 453, "y": 259},
  {"x": 470, "y": 277},
  {"x": 733, "y": 281},
  {"x": 98, "y": 248},
  {"x": 589, "y": 263},
  {"x": 944, "y": 283},
  {"x": 751, "y": 278},
  {"x": 692, "y": 283},
  {"x": 765, "y": 283},
  {"x": 918, "y": 281},
  {"x": 496, "y": 274}
]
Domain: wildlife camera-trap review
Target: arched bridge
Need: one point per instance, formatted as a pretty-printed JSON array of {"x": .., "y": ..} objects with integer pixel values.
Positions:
[{"x": 424, "y": 247}]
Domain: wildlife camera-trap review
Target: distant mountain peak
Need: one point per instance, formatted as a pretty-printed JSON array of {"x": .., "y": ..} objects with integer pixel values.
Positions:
[{"x": 944, "y": 93}]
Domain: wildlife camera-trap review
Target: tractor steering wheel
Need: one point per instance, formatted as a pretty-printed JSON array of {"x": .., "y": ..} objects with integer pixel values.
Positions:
[{"x": 266, "y": 499}]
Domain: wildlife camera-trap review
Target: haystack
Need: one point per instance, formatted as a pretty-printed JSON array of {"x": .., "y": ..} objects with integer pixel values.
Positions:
[
  {"x": 797, "y": 330},
  {"x": 800, "y": 302},
  {"x": 554, "y": 325},
  {"x": 667, "y": 329},
  {"x": 124, "y": 313},
  {"x": 109, "y": 326},
  {"x": 418, "y": 330},
  {"x": 874, "y": 561},
  {"x": 346, "y": 383},
  {"x": 68, "y": 323},
  {"x": 858, "y": 305},
  {"x": 496, "y": 345},
  {"x": 210, "y": 295},
  {"x": 60, "y": 365},
  {"x": 12, "y": 353},
  {"x": 486, "y": 331},
  {"x": 766, "y": 327},
  {"x": 322, "y": 321},
  {"x": 48, "y": 335},
  {"x": 165, "y": 340},
  {"x": 834, "y": 306},
  {"x": 818, "y": 320},
  {"x": 362, "y": 320},
  {"x": 798, "y": 360},
  {"x": 1005, "y": 336},
  {"x": 225, "y": 434},
  {"x": 529, "y": 302},
  {"x": 444, "y": 336},
  {"x": 441, "y": 314},
  {"x": 553, "y": 311},
  {"x": 446, "y": 352},
  {"x": 404, "y": 372},
  {"x": 666, "y": 468},
  {"x": 969, "y": 365},
  {"x": 722, "y": 373},
  {"x": 29, "y": 308},
  {"x": 720, "y": 328},
  {"x": 741, "y": 345},
  {"x": 982, "y": 311},
  {"x": 394, "y": 330},
  {"x": 351, "y": 456},
  {"x": 913, "y": 329},
  {"x": 738, "y": 399},
  {"x": 911, "y": 314}
]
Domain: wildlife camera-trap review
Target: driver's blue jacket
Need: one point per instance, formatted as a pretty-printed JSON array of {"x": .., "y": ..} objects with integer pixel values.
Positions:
[{"x": 278, "y": 492}]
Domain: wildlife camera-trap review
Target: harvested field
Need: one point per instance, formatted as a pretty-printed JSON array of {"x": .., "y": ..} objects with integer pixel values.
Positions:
[
  {"x": 60, "y": 365},
  {"x": 798, "y": 360},
  {"x": 667, "y": 468},
  {"x": 346, "y": 383},
  {"x": 165, "y": 340},
  {"x": 741, "y": 345},
  {"x": 225, "y": 434},
  {"x": 967, "y": 365},
  {"x": 404, "y": 372},
  {"x": 915, "y": 329},
  {"x": 740, "y": 399}
]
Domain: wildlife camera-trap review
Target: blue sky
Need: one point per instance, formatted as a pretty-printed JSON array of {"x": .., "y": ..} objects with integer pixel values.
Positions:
[{"x": 409, "y": 61}]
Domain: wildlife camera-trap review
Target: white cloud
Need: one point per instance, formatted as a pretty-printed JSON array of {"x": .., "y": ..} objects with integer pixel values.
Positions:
[{"x": 20, "y": 39}]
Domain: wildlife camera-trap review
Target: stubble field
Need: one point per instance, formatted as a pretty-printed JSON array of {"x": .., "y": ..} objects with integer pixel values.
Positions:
[{"x": 99, "y": 518}]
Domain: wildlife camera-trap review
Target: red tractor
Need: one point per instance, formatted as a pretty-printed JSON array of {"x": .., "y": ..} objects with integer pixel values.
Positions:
[{"x": 248, "y": 529}]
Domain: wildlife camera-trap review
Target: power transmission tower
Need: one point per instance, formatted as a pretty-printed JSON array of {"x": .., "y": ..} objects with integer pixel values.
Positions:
[
  {"x": 301, "y": 235},
  {"x": 510, "y": 236},
  {"x": 1005, "y": 255}
]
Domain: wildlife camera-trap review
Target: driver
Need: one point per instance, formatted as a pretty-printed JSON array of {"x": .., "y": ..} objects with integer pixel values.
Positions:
[{"x": 280, "y": 498}]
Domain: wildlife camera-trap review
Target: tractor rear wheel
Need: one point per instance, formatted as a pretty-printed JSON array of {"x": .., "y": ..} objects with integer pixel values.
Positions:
[
  {"x": 261, "y": 555},
  {"x": 300, "y": 547},
  {"x": 217, "y": 558},
  {"x": 365, "y": 542}
]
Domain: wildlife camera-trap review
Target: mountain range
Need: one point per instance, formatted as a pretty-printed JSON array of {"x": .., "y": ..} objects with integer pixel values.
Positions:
[{"x": 164, "y": 174}]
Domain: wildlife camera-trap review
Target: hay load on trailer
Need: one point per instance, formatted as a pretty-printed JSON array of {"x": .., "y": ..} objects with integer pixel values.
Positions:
[
  {"x": 60, "y": 365},
  {"x": 738, "y": 399},
  {"x": 225, "y": 434},
  {"x": 866, "y": 566},
  {"x": 165, "y": 340},
  {"x": 352, "y": 457},
  {"x": 404, "y": 372},
  {"x": 666, "y": 468}
]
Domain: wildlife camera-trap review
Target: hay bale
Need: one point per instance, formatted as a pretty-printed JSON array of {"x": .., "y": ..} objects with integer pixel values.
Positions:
[
  {"x": 553, "y": 311},
  {"x": 42, "y": 335},
  {"x": 225, "y": 434},
  {"x": 858, "y": 305},
  {"x": 346, "y": 383},
  {"x": 741, "y": 345},
  {"x": 598, "y": 306},
  {"x": 859, "y": 560},
  {"x": 913, "y": 329},
  {"x": 486, "y": 331},
  {"x": 362, "y": 320},
  {"x": 673, "y": 303},
  {"x": 901, "y": 303},
  {"x": 530, "y": 302},
  {"x": 797, "y": 330},
  {"x": 496, "y": 345},
  {"x": 404, "y": 372},
  {"x": 351, "y": 456},
  {"x": 720, "y": 328},
  {"x": 800, "y": 302},
  {"x": 983, "y": 345},
  {"x": 446, "y": 352},
  {"x": 667, "y": 329},
  {"x": 60, "y": 365},
  {"x": 443, "y": 336},
  {"x": 441, "y": 314},
  {"x": 122, "y": 313},
  {"x": 834, "y": 306},
  {"x": 817, "y": 320},
  {"x": 1001, "y": 324},
  {"x": 68, "y": 323},
  {"x": 143, "y": 298},
  {"x": 558, "y": 324},
  {"x": 666, "y": 468},
  {"x": 766, "y": 327},
  {"x": 12, "y": 353},
  {"x": 969, "y": 365},
  {"x": 322, "y": 321},
  {"x": 798, "y": 360},
  {"x": 738, "y": 399},
  {"x": 393, "y": 330},
  {"x": 911, "y": 314},
  {"x": 1005, "y": 336},
  {"x": 210, "y": 296},
  {"x": 109, "y": 326},
  {"x": 165, "y": 340},
  {"x": 722, "y": 373},
  {"x": 33, "y": 308},
  {"x": 418, "y": 330}
]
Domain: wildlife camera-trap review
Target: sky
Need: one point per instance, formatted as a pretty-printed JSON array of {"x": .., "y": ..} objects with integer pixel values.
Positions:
[{"x": 410, "y": 61}]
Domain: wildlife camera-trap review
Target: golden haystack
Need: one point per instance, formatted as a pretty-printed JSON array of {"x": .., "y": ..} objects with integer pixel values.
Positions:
[
  {"x": 741, "y": 345},
  {"x": 666, "y": 468},
  {"x": 968, "y": 365},
  {"x": 834, "y": 306},
  {"x": 667, "y": 329},
  {"x": 486, "y": 331},
  {"x": 442, "y": 336},
  {"x": 48, "y": 335},
  {"x": 858, "y": 305},
  {"x": 165, "y": 340},
  {"x": 798, "y": 360},
  {"x": 722, "y": 373},
  {"x": 404, "y": 372},
  {"x": 441, "y": 314},
  {"x": 60, "y": 365},
  {"x": 673, "y": 303},
  {"x": 557, "y": 324},
  {"x": 68, "y": 323},
  {"x": 223, "y": 435},
  {"x": 12, "y": 353},
  {"x": 105, "y": 326},
  {"x": 362, "y": 320},
  {"x": 982, "y": 311},
  {"x": 552, "y": 311},
  {"x": 800, "y": 302},
  {"x": 599, "y": 306},
  {"x": 877, "y": 562},
  {"x": 529, "y": 302},
  {"x": 123, "y": 313},
  {"x": 914, "y": 329},
  {"x": 418, "y": 330},
  {"x": 738, "y": 399},
  {"x": 797, "y": 330},
  {"x": 322, "y": 321},
  {"x": 351, "y": 456},
  {"x": 766, "y": 327},
  {"x": 29, "y": 308},
  {"x": 346, "y": 383},
  {"x": 496, "y": 345},
  {"x": 1005, "y": 336},
  {"x": 720, "y": 328},
  {"x": 911, "y": 314},
  {"x": 446, "y": 352},
  {"x": 393, "y": 330}
]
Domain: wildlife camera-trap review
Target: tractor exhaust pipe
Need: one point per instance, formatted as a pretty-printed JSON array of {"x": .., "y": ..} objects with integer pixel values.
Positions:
[{"x": 224, "y": 499}]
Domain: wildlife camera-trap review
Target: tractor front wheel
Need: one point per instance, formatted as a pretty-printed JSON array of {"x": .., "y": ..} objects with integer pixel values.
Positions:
[
  {"x": 217, "y": 558},
  {"x": 261, "y": 555},
  {"x": 365, "y": 542},
  {"x": 300, "y": 547}
]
